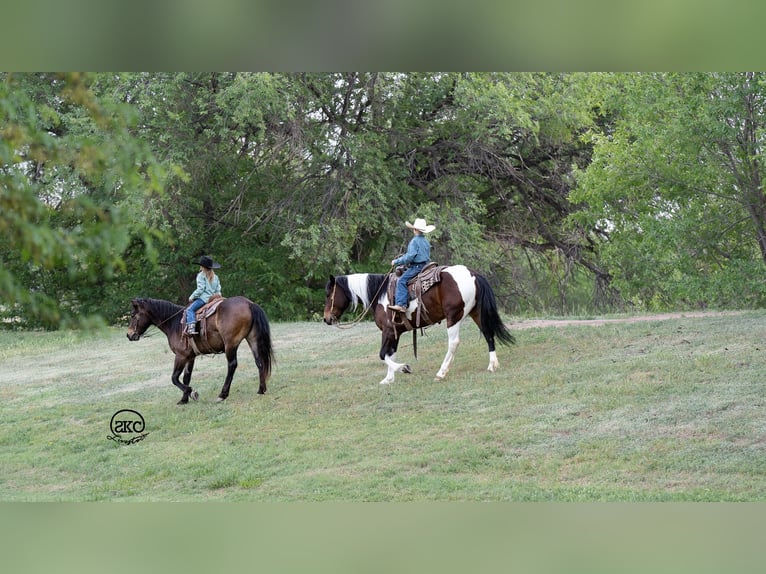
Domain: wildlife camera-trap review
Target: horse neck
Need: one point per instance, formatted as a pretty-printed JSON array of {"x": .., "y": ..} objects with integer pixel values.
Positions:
[
  {"x": 365, "y": 287},
  {"x": 376, "y": 286},
  {"x": 165, "y": 315}
]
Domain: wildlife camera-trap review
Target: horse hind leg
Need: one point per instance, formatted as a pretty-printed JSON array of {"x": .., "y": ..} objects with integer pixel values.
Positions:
[
  {"x": 494, "y": 364},
  {"x": 263, "y": 374},
  {"x": 453, "y": 341},
  {"x": 231, "y": 357}
]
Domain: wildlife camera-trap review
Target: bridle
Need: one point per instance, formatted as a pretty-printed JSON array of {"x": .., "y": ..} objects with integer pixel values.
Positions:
[
  {"x": 332, "y": 299},
  {"x": 337, "y": 322},
  {"x": 181, "y": 310}
]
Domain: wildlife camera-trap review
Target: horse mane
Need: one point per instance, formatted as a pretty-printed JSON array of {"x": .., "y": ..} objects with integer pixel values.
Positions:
[
  {"x": 362, "y": 287},
  {"x": 163, "y": 310},
  {"x": 376, "y": 285}
]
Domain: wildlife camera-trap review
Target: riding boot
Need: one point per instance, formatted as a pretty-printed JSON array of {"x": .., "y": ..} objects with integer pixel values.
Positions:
[{"x": 191, "y": 328}]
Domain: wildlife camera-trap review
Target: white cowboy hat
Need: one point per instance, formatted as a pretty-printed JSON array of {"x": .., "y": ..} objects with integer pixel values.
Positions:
[{"x": 420, "y": 225}]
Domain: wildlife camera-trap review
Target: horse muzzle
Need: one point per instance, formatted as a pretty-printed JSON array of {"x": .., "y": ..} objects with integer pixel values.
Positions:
[
  {"x": 330, "y": 320},
  {"x": 134, "y": 336}
]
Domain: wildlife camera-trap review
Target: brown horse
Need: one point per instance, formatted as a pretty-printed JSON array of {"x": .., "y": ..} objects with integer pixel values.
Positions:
[
  {"x": 237, "y": 318},
  {"x": 461, "y": 293}
]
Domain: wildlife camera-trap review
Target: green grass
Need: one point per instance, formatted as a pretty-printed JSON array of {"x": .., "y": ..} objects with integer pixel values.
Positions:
[{"x": 661, "y": 411}]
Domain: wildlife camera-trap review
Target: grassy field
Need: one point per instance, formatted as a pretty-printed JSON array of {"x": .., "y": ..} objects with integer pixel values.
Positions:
[{"x": 659, "y": 410}]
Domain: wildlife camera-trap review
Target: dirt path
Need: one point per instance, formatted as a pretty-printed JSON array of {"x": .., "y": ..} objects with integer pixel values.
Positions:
[{"x": 534, "y": 323}]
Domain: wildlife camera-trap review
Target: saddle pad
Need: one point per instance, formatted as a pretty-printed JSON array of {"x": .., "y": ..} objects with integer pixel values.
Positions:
[
  {"x": 422, "y": 282},
  {"x": 206, "y": 310},
  {"x": 209, "y": 308},
  {"x": 427, "y": 278}
]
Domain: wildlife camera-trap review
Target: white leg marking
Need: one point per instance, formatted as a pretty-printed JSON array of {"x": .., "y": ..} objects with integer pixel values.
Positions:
[
  {"x": 393, "y": 366},
  {"x": 493, "y": 362},
  {"x": 453, "y": 334}
]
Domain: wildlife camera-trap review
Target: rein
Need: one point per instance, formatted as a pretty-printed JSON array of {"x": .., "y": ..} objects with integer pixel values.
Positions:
[
  {"x": 169, "y": 318},
  {"x": 158, "y": 325},
  {"x": 181, "y": 310}
]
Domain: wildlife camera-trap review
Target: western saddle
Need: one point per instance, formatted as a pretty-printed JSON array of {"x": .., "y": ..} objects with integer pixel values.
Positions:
[{"x": 416, "y": 287}]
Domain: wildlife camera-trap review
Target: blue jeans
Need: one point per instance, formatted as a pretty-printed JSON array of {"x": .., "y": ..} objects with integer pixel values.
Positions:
[
  {"x": 192, "y": 309},
  {"x": 402, "y": 297}
]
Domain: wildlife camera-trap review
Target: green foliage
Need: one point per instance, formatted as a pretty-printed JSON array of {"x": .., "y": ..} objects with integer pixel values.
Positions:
[
  {"x": 676, "y": 189},
  {"x": 569, "y": 191},
  {"x": 69, "y": 164}
]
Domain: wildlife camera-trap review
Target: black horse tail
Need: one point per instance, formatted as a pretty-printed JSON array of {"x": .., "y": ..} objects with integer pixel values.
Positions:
[
  {"x": 262, "y": 338},
  {"x": 491, "y": 324}
]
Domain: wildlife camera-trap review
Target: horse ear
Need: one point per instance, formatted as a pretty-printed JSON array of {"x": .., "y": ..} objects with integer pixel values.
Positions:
[{"x": 332, "y": 279}]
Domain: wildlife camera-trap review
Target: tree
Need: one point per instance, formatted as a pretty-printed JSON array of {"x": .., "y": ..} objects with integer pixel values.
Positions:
[
  {"x": 289, "y": 177},
  {"x": 69, "y": 170},
  {"x": 294, "y": 176},
  {"x": 677, "y": 188},
  {"x": 498, "y": 152}
]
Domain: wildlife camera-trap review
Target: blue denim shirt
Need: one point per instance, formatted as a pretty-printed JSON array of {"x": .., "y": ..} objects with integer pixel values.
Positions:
[{"x": 418, "y": 251}]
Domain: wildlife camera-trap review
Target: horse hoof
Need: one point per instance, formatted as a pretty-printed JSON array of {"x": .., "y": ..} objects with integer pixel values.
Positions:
[
  {"x": 220, "y": 399},
  {"x": 182, "y": 402},
  {"x": 195, "y": 395},
  {"x": 407, "y": 369}
]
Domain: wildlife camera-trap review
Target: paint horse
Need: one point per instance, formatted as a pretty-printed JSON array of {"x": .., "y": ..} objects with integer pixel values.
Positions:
[
  {"x": 236, "y": 318},
  {"x": 460, "y": 293}
]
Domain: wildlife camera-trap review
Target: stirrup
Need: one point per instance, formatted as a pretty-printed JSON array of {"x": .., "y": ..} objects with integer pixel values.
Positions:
[
  {"x": 398, "y": 308},
  {"x": 191, "y": 329}
]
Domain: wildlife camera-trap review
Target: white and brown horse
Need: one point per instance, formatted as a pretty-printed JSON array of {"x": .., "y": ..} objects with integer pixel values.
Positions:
[{"x": 461, "y": 293}]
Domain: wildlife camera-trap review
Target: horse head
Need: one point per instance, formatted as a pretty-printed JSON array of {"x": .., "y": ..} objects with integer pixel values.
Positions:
[
  {"x": 336, "y": 301},
  {"x": 139, "y": 319}
]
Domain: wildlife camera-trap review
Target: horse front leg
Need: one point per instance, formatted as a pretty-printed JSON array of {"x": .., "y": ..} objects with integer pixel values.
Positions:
[
  {"x": 388, "y": 355},
  {"x": 187, "y": 378},
  {"x": 231, "y": 357},
  {"x": 453, "y": 341},
  {"x": 183, "y": 365}
]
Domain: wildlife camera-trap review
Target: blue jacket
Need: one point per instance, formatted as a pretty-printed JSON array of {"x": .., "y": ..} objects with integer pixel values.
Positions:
[
  {"x": 205, "y": 289},
  {"x": 418, "y": 251}
]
